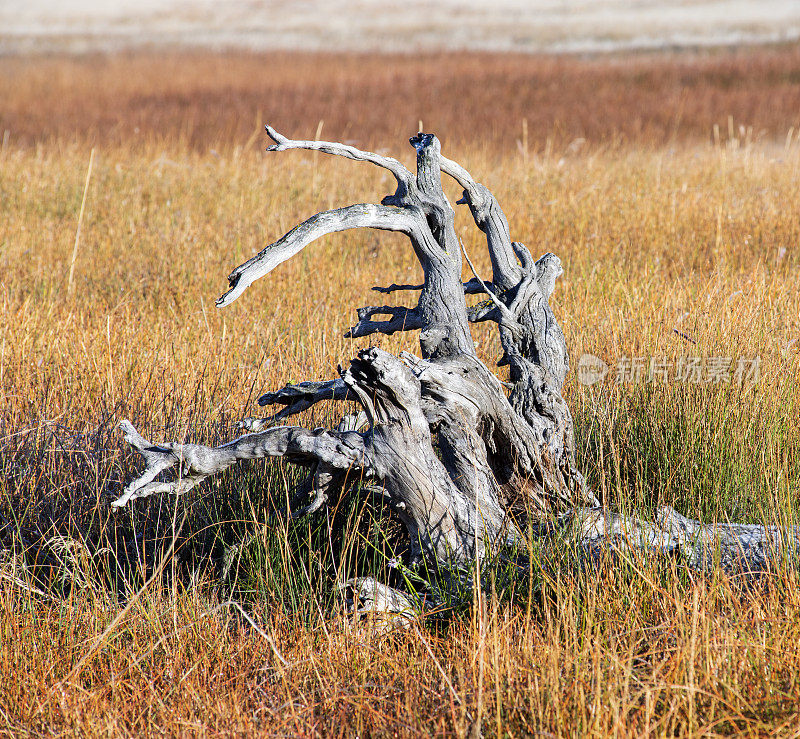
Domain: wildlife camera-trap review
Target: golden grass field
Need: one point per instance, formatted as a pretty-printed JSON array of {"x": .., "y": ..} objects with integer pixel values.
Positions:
[{"x": 121, "y": 626}]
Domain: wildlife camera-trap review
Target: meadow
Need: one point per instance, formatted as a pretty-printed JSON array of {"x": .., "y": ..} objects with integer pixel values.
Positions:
[{"x": 668, "y": 185}]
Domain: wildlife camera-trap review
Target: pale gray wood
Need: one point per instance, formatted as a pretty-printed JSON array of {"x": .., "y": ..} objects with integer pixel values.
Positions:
[
  {"x": 365, "y": 595},
  {"x": 737, "y": 549},
  {"x": 365, "y": 215}
]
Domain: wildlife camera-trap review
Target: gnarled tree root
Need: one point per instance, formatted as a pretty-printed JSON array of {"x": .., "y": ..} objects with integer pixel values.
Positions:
[{"x": 468, "y": 462}]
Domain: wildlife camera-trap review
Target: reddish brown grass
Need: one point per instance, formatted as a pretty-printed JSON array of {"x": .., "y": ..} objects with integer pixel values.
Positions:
[{"x": 206, "y": 100}]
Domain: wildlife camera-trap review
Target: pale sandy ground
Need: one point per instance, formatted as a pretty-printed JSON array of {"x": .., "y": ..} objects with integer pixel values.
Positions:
[{"x": 535, "y": 26}]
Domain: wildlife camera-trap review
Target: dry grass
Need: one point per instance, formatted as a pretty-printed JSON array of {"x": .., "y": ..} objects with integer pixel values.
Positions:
[
  {"x": 660, "y": 662},
  {"x": 692, "y": 236},
  {"x": 475, "y": 100}
]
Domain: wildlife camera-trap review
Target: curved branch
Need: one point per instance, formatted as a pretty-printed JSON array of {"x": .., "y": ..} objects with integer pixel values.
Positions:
[
  {"x": 403, "y": 176},
  {"x": 363, "y": 215},
  {"x": 461, "y": 176},
  {"x": 422, "y": 212},
  {"x": 489, "y": 218}
]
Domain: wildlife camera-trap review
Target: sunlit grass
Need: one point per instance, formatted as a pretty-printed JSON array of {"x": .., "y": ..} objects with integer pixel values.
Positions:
[{"x": 689, "y": 251}]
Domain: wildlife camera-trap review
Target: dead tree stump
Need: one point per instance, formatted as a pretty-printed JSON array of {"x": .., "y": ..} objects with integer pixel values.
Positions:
[{"x": 470, "y": 463}]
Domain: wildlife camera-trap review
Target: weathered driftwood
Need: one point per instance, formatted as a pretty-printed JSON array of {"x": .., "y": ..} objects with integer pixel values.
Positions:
[
  {"x": 468, "y": 462},
  {"x": 736, "y": 549}
]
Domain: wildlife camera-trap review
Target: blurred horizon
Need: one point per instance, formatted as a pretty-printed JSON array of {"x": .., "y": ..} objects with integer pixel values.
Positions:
[{"x": 540, "y": 26}]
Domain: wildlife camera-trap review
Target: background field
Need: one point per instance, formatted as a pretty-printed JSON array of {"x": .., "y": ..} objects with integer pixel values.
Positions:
[
  {"x": 478, "y": 102},
  {"x": 528, "y": 26},
  {"x": 668, "y": 185}
]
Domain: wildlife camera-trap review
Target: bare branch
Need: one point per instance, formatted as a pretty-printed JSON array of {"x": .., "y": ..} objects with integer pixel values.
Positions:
[
  {"x": 472, "y": 287},
  {"x": 394, "y": 288},
  {"x": 489, "y": 218},
  {"x": 364, "y": 215},
  {"x": 402, "y": 319},
  {"x": 297, "y": 398},
  {"x": 403, "y": 176},
  {"x": 342, "y": 451},
  {"x": 463, "y": 178}
]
